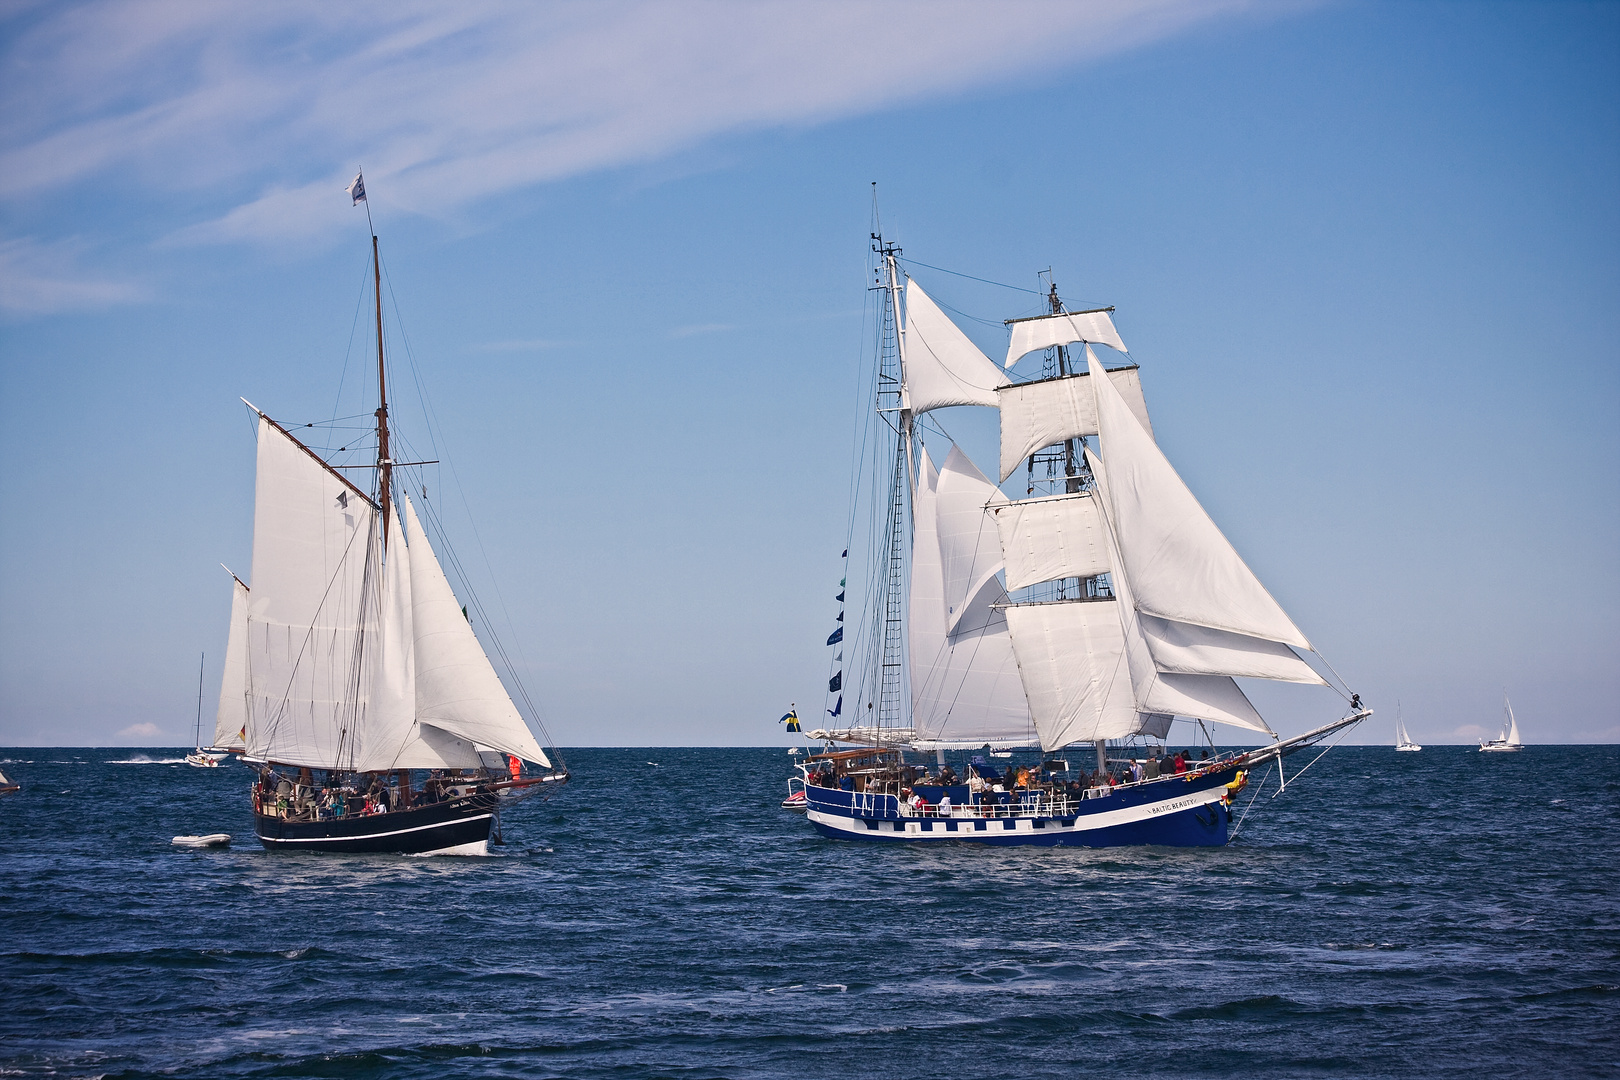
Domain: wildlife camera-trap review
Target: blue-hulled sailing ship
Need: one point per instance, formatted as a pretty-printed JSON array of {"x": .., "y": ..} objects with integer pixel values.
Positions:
[{"x": 1087, "y": 616}]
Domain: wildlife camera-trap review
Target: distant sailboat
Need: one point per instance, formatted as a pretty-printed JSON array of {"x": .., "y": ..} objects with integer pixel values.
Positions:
[
  {"x": 1403, "y": 741},
  {"x": 1510, "y": 734},
  {"x": 7, "y": 786},
  {"x": 199, "y": 757}
]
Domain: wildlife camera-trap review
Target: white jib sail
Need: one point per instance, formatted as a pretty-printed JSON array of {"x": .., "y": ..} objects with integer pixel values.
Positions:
[
  {"x": 1181, "y": 566},
  {"x": 457, "y": 689},
  {"x": 393, "y": 739},
  {"x": 943, "y": 367},
  {"x": 1060, "y": 536},
  {"x": 1045, "y": 331},
  {"x": 1203, "y": 697},
  {"x": 1071, "y": 657},
  {"x": 1045, "y": 413},
  {"x": 965, "y": 687},
  {"x": 312, "y": 610},
  {"x": 230, "y": 721}
]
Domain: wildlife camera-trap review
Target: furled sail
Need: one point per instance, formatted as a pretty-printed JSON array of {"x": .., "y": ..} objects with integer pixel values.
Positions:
[
  {"x": 1180, "y": 565},
  {"x": 1051, "y": 411},
  {"x": 965, "y": 687},
  {"x": 943, "y": 367},
  {"x": 1071, "y": 657},
  {"x": 230, "y": 721},
  {"x": 1045, "y": 331},
  {"x": 393, "y": 738},
  {"x": 1204, "y": 697},
  {"x": 1060, "y": 536},
  {"x": 457, "y": 689}
]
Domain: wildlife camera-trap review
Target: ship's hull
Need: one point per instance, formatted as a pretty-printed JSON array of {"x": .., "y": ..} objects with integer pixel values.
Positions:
[
  {"x": 1186, "y": 811},
  {"x": 455, "y": 827}
]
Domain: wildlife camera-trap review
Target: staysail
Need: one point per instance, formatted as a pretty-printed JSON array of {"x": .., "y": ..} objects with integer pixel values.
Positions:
[
  {"x": 943, "y": 367},
  {"x": 312, "y": 610},
  {"x": 393, "y": 738},
  {"x": 230, "y": 722},
  {"x": 1180, "y": 565},
  {"x": 965, "y": 686},
  {"x": 457, "y": 689}
]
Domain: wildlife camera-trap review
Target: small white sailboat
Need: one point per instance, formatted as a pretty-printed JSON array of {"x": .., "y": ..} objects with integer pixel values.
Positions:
[
  {"x": 7, "y": 787},
  {"x": 1509, "y": 740},
  {"x": 200, "y": 757},
  {"x": 1403, "y": 741}
]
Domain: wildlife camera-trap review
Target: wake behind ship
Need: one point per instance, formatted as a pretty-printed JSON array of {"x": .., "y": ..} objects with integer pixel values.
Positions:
[{"x": 353, "y": 677}]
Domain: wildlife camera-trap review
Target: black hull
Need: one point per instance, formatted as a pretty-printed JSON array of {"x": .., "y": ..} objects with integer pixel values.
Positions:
[{"x": 452, "y": 824}]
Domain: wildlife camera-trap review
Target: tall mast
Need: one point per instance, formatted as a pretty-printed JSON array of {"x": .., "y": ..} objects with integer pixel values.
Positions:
[
  {"x": 1070, "y": 451},
  {"x": 385, "y": 464},
  {"x": 891, "y": 672}
]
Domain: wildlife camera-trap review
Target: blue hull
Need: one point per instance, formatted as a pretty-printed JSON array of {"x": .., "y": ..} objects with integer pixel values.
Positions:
[{"x": 1171, "y": 812}]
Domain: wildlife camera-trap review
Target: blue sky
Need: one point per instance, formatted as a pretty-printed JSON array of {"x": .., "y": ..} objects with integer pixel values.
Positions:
[{"x": 1368, "y": 256}]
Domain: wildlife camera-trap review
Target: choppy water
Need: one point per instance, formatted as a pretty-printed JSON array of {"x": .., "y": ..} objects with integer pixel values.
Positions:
[{"x": 1434, "y": 914}]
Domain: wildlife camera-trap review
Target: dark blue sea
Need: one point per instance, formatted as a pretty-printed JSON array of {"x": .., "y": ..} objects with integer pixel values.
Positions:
[{"x": 1443, "y": 914}]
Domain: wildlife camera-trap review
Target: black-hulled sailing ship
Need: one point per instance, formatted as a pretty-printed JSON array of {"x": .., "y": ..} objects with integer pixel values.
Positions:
[
  {"x": 1092, "y": 613},
  {"x": 353, "y": 677}
]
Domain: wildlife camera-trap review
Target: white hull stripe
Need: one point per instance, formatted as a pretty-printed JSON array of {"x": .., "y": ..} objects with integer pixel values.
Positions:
[
  {"x": 369, "y": 835},
  {"x": 1083, "y": 823}
]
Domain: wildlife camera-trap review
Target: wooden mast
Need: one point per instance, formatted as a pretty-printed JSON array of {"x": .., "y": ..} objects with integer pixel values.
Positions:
[{"x": 385, "y": 464}]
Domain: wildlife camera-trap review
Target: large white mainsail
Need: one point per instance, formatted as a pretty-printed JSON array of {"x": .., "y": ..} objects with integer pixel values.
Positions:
[
  {"x": 457, "y": 689},
  {"x": 942, "y": 366},
  {"x": 230, "y": 721},
  {"x": 1071, "y": 657},
  {"x": 1052, "y": 411},
  {"x": 312, "y": 613},
  {"x": 965, "y": 687}
]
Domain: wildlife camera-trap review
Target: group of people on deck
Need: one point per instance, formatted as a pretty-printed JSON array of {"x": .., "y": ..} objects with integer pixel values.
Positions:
[
  {"x": 354, "y": 795},
  {"x": 1048, "y": 782}
]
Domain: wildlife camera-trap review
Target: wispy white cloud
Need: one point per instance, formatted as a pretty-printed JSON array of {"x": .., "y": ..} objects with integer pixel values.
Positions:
[
  {"x": 45, "y": 279},
  {"x": 261, "y": 112},
  {"x": 140, "y": 731}
]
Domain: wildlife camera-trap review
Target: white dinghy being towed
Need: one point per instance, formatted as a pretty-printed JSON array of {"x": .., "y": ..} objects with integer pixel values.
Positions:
[
  {"x": 353, "y": 676},
  {"x": 1098, "y": 612}
]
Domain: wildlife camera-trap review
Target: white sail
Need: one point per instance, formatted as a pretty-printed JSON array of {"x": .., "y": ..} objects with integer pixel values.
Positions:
[
  {"x": 1071, "y": 657},
  {"x": 230, "y": 721},
  {"x": 1045, "y": 413},
  {"x": 393, "y": 739},
  {"x": 965, "y": 687},
  {"x": 457, "y": 689},
  {"x": 969, "y": 551},
  {"x": 312, "y": 609},
  {"x": 943, "y": 367},
  {"x": 1045, "y": 331},
  {"x": 1180, "y": 565},
  {"x": 1045, "y": 539},
  {"x": 1204, "y": 697},
  {"x": 1198, "y": 650},
  {"x": 1513, "y": 723}
]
